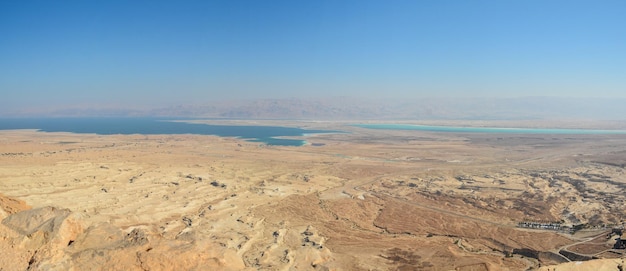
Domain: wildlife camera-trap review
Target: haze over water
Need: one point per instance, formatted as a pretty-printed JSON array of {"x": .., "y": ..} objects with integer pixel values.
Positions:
[
  {"x": 487, "y": 130},
  {"x": 110, "y": 126}
]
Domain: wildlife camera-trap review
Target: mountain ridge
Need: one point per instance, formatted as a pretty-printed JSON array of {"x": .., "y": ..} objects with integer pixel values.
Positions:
[{"x": 347, "y": 108}]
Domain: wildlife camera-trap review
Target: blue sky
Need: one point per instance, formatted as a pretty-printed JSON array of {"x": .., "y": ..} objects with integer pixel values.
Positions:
[{"x": 155, "y": 53}]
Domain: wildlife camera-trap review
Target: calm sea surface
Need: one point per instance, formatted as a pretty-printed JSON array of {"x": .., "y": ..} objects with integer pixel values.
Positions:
[
  {"x": 489, "y": 130},
  {"x": 146, "y": 126}
]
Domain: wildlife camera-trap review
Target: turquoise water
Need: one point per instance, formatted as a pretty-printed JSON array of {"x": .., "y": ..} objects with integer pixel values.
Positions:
[
  {"x": 488, "y": 130},
  {"x": 147, "y": 126}
]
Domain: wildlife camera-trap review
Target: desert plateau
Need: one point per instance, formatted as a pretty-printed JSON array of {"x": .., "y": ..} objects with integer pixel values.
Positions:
[
  {"x": 362, "y": 199},
  {"x": 320, "y": 135}
]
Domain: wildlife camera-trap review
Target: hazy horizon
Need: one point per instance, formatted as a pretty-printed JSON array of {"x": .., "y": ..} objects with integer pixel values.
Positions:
[
  {"x": 351, "y": 108},
  {"x": 147, "y": 55}
]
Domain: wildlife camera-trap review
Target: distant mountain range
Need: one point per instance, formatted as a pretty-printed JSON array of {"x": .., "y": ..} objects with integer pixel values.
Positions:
[{"x": 346, "y": 108}]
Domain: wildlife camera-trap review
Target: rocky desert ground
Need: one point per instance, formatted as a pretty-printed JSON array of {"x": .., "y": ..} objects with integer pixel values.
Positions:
[{"x": 362, "y": 200}]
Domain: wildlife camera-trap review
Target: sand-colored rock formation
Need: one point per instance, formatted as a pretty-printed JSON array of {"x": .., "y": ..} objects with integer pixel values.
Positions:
[{"x": 596, "y": 265}]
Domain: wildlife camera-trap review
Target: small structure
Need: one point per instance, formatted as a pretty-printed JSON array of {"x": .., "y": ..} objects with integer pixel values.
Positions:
[{"x": 555, "y": 226}]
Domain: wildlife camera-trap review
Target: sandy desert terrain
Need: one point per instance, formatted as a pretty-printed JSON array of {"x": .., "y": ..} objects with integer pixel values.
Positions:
[{"x": 364, "y": 200}]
